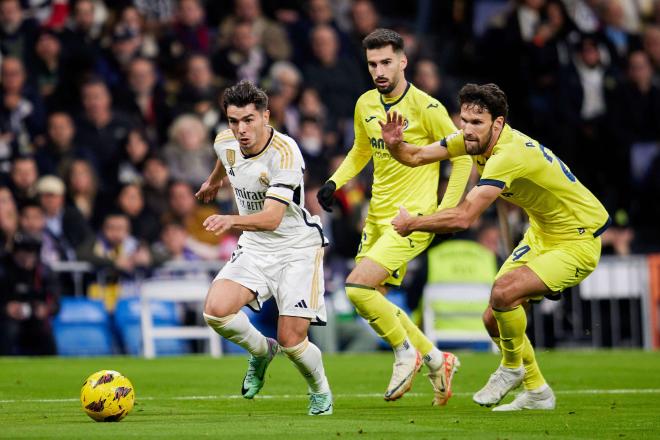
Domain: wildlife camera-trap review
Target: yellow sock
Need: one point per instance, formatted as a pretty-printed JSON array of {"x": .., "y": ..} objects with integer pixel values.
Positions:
[
  {"x": 378, "y": 311},
  {"x": 533, "y": 377},
  {"x": 416, "y": 336},
  {"x": 512, "y": 324},
  {"x": 498, "y": 343}
]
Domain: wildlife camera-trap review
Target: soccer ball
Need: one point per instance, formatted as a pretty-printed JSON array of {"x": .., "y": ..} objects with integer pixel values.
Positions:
[{"x": 107, "y": 396}]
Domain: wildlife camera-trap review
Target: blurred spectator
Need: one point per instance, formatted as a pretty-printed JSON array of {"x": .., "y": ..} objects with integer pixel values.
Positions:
[
  {"x": 60, "y": 148},
  {"x": 156, "y": 12},
  {"x": 173, "y": 245},
  {"x": 47, "y": 69},
  {"x": 156, "y": 182},
  {"x": 83, "y": 190},
  {"x": 364, "y": 20},
  {"x": 17, "y": 32},
  {"x": 188, "y": 33},
  {"x": 144, "y": 224},
  {"x": 652, "y": 47},
  {"x": 144, "y": 99},
  {"x": 189, "y": 154},
  {"x": 199, "y": 93},
  {"x": 270, "y": 33},
  {"x": 8, "y": 219},
  {"x": 23, "y": 179},
  {"x": 28, "y": 299},
  {"x": 244, "y": 58},
  {"x": 133, "y": 157},
  {"x": 183, "y": 208},
  {"x": 283, "y": 87},
  {"x": 585, "y": 14},
  {"x": 32, "y": 222},
  {"x": 315, "y": 153},
  {"x": 64, "y": 223},
  {"x": 22, "y": 116},
  {"x": 116, "y": 249},
  {"x": 113, "y": 64},
  {"x": 101, "y": 131},
  {"x": 337, "y": 80},
  {"x": 50, "y": 14},
  {"x": 130, "y": 17},
  {"x": 427, "y": 78},
  {"x": 620, "y": 42}
]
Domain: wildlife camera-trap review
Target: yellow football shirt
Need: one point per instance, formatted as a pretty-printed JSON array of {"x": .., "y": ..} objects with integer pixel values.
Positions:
[
  {"x": 532, "y": 177},
  {"x": 395, "y": 184}
]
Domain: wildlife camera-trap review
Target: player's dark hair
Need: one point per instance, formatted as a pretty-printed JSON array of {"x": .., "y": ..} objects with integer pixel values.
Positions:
[
  {"x": 487, "y": 97},
  {"x": 382, "y": 37},
  {"x": 243, "y": 94}
]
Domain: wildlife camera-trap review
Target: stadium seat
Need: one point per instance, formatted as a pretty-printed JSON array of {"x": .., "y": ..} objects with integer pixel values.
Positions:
[
  {"x": 127, "y": 322},
  {"x": 82, "y": 328}
]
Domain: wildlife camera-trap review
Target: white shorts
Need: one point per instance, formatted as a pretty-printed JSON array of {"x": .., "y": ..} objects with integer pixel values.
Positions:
[{"x": 293, "y": 277}]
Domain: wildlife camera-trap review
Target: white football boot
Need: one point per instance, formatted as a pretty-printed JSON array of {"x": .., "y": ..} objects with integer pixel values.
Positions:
[{"x": 499, "y": 384}]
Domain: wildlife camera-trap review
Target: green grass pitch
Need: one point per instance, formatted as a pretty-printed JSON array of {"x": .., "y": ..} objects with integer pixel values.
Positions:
[{"x": 600, "y": 395}]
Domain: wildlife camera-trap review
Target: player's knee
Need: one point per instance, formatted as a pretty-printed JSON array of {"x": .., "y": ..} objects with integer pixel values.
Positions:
[
  {"x": 501, "y": 294},
  {"x": 357, "y": 295},
  {"x": 290, "y": 338}
]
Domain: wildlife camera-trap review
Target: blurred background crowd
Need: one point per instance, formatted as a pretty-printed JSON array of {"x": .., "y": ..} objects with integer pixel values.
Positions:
[{"x": 108, "y": 111}]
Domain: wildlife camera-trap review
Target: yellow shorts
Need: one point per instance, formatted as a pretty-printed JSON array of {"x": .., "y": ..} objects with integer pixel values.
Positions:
[
  {"x": 383, "y": 245},
  {"x": 559, "y": 264}
]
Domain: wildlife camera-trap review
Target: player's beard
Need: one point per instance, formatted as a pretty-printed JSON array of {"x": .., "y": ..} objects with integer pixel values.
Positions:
[
  {"x": 387, "y": 89},
  {"x": 481, "y": 146}
]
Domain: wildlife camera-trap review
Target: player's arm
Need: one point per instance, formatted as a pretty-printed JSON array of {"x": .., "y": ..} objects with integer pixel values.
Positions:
[
  {"x": 461, "y": 167},
  {"x": 268, "y": 219},
  {"x": 449, "y": 220},
  {"x": 407, "y": 154},
  {"x": 209, "y": 189}
]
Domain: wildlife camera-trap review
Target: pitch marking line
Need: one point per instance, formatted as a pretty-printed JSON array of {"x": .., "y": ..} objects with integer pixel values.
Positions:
[{"x": 358, "y": 395}]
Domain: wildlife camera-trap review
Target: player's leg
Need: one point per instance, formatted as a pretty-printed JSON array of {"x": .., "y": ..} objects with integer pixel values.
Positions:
[
  {"x": 222, "y": 311},
  {"x": 381, "y": 314},
  {"x": 292, "y": 337},
  {"x": 533, "y": 379},
  {"x": 507, "y": 295}
]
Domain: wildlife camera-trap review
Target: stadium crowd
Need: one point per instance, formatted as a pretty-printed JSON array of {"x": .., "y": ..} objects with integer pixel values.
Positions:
[{"x": 108, "y": 112}]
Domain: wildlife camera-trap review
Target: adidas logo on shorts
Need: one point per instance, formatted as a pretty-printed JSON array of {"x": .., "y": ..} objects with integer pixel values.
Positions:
[{"x": 302, "y": 304}]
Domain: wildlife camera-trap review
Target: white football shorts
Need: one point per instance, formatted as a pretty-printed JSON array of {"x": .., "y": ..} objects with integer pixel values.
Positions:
[{"x": 293, "y": 277}]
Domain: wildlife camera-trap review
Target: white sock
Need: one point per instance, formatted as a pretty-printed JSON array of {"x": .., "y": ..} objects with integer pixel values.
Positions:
[
  {"x": 434, "y": 359},
  {"x": 307, "y": 358},
  {"x": 405, "y": 350},
  {"x": 540, "y": 389},
  {"x": 239, "y": 330}
]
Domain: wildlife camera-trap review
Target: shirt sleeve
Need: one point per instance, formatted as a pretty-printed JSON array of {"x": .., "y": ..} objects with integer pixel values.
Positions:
[
  {"x": 287, "y": 173},
  {"x": 500, "y": 170},
  {"x": 461, "y": 167},
  {"x": 454, "y": 143},
  {"x": 359, "y": 155},
  {"x": 436, "y": 120}
]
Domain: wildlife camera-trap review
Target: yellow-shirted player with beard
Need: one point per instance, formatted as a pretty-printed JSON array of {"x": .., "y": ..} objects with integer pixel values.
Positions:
[
  {"x": 383, "y": 254},
  {"x": 560, "y": 248}
]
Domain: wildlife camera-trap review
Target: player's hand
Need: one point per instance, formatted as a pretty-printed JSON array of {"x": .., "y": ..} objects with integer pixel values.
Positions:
[
  {"x": 401, "y": 222},
  {"x": 218, "y": 224},
  {"x": 325, "y": 195},
  {"x": 392, "y": 129},
  {"x": 208, "y": 191}
]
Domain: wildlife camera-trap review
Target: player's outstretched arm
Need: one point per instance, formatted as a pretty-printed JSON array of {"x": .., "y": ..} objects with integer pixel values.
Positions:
[
  {"x": 209, "y": 189},
  {"x": 449, "y": 220},
  {"x": 407, "y": 154},
  {"x": 268, "y": 219}
]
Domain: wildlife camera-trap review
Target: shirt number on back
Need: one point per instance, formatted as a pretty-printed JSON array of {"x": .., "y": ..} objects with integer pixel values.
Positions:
[{"x": 548, "y": 156}]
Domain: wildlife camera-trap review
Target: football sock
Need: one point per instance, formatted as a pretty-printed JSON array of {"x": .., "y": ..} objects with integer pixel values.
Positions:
[
  {"x": 432, "y": 356},
  {"x": 238, "y": 329},
  {"x": 533, "y": 380},
  {"x": 512, "y": 324},
  {"x": 405, "y": 350},
  {"x": 307, "y": 358},
  {"x": 378, "y": 311}
]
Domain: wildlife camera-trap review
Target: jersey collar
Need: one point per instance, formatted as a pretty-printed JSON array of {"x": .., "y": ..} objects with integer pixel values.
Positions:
[{"x": 389, "y": 105}]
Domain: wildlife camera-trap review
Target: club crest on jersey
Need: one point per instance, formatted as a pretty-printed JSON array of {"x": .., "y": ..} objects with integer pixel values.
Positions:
[
  {"x": 405, "y": 124},
  {"x": 231, "y": 157},
  {"x": 264, "y": 180}
]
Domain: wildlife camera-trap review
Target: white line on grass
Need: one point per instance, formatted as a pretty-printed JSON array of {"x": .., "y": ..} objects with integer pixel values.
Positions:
[{"x": 346, "y": 395}]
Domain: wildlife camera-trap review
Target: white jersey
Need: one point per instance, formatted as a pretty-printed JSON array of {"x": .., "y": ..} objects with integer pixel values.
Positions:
[{"x": 276, "y": 172}]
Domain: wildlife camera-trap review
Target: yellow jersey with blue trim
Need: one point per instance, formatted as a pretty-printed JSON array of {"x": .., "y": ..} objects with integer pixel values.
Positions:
[
  {"x": 531, "y": 176},
  {"x": 275, "y": 172},
  {"x": 395, "y": 184}
]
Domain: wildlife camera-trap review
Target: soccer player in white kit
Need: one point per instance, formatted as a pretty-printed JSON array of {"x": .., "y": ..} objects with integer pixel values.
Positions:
[{"x": 280, "y": 251}]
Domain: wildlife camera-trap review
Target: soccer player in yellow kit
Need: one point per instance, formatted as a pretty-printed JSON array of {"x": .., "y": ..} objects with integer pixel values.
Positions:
[
  {"x": 560, "y": 248},
  {"x": 383, "y": 254}
]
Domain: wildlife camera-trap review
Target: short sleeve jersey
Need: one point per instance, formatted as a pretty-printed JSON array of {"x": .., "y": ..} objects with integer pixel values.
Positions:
[
  {"x": 532, "y": 177},
  {"x": 276, "y": 172}
]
